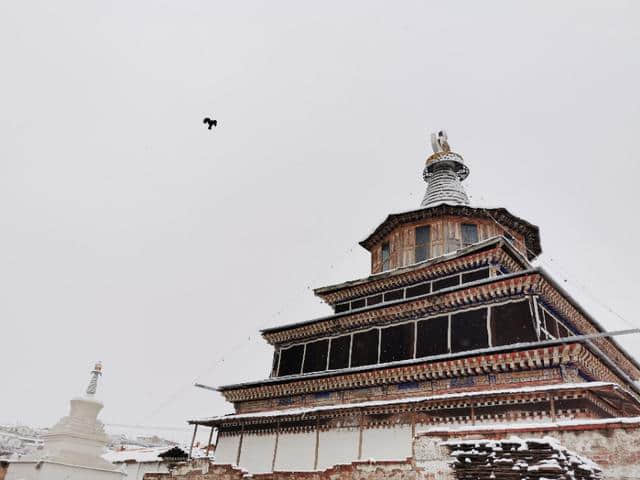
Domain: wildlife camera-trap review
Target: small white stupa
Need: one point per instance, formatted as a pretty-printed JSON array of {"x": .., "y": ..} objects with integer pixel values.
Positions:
[{"x": 73, "y": 448}]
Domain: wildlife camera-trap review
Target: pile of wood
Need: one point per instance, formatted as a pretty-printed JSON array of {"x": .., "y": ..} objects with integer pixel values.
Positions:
[{"x": 516, "y": 459}]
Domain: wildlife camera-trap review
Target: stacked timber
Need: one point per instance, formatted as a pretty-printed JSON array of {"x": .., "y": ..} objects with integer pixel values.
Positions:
[{"x": 516, "y": 459}]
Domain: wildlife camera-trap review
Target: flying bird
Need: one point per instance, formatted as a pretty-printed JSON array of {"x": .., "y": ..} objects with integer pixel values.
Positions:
[{"x": 210, "y": 122}]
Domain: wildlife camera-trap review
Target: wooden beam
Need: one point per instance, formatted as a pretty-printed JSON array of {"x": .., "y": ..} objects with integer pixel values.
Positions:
[
  {"x": 315, "y": 458},
  {"x": 193, "y": 439},
  {"x": 240, "y": 445},
  {"x": 209, "y": 442},
  {"x": 360, "y": 437},
  {"x": 275, "y": 447}
]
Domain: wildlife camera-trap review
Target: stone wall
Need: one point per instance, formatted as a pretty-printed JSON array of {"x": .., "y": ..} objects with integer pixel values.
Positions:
[
  {"x": 614, "y": 446},
  {"x": 380, "y": 470}
]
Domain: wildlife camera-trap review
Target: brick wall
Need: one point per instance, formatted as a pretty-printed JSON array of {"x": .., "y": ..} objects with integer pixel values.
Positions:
[
  {"x": 615, "y": 447},
  {"x": 406, "y": 470}
]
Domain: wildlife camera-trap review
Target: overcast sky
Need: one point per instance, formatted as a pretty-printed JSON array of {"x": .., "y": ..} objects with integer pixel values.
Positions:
[{"x": 131, "y": 234}]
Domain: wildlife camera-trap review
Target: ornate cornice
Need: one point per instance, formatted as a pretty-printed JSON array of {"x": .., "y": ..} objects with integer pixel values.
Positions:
[
  {"x": 435, "y": 303},
  {"x": 537, "y": 358},
  {"x": 554, "y": 298},
  {"x": 378, "y": 414},
  {"x": 418, "y": 273},
  {"x": 499, "y": 215}
]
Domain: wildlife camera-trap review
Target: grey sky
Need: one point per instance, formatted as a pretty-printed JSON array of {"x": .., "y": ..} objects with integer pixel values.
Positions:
[{"x": 131, "y": 234}]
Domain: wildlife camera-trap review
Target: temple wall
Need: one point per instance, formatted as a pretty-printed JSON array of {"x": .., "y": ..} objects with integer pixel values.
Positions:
[
  {"x": 446, "y": 236},
  {"x": 337, "y": 447},
  {"x": 391, "y": 443},
  {"x": 257, "y": 453},
  {"x": 227, "y": 449},
  {"x": 296, "y": 451},
  {"x": 404, "y": 470}
]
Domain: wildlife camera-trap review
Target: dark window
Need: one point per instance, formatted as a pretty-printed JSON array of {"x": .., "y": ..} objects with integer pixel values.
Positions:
[
  {"x": 552, "y": 324},
  {"x": 386, "y": 255},
  {"x": 563, "y": 331},
  {"x": 396, "y": 343},
  {"x": 512, "y": 323},
  {"x": 543, "y": 324},
  {"x": 469, "y": 233},
  {"x": 375, "y": 299},
  {"x": 477, "y": 275},
  {"x": 394, "y": 295},
  {"x": 274, "y": 367},
  {"x": 432, "y": 337},
  {"x": 423, "y": 242},
  {"x": 446, "y": 283},
  {"x": 291, "y": 360},
  {"x": 469, "y": 330},
  {"x": 315, "y": 358},
  {"x": 357, "y": 303},
  {"x": 365, "y": 348},
  {"x": 342, "y": 307},
  {"x": 339, "y": 356},
  {"x": 417, "y": 290}
]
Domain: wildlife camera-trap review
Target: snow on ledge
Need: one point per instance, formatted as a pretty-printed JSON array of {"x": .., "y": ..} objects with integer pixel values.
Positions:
[
  {"x": 579, "y": 422},
  {"x": 375, "y": 403}
]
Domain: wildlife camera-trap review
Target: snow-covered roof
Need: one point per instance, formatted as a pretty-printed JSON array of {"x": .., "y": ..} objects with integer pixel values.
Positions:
[
  {"x": 137, "y": 455},
  {"x": 497, "y": 240},
  {"x": 577, "y": 422},
  {"x": 147, "y": 455},
  {"x": 500, "y": 215},
  {"x": 404, "y": 400}
]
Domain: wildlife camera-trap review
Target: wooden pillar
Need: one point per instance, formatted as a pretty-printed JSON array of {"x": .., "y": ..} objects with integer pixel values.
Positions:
[
  {"x": 209, "y": 442},
  {"x": 413, "y": 434},
  {"x": 193, "y": 439},
  {"x": 315, "y": 458},
  {"x": 240, "y": 445},
  {"x": 360, "y": 437},
  {"x": 275, "y": 447},
  {"x": 473, "y": 415},
  {"x": 552, "y": 406}
]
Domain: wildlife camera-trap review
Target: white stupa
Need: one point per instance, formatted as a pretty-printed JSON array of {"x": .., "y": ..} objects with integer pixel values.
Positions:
[{"x": 73, "y": 448}]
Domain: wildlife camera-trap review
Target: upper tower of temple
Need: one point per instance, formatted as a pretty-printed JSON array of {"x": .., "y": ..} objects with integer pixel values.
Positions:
[
  {"x": 444, "y": 172},
  {"x": 445, "y": 221}
]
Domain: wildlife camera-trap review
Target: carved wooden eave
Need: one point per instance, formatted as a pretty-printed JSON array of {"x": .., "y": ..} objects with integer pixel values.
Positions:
[
  {"x": 493, "y": 252},
  {"x": 484, "y": 291},
  {"x": 528, "y": 282},
  {"x": 605, "y": 397},
  {"x": 502, "y": 216},
  {"x": 573, "y": 354}
]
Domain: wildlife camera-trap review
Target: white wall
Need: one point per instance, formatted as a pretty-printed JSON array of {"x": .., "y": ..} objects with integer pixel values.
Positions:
[
  {"x": 54, "y": 471},
  {"x": 296, "y": 451},
  {"x": 392, "y": 443},
  {"x": 227, "y": 449},
  {"x": 257, "y": 453},
  {"x": 337, "y": 447},
  {"x": 136, "y": 471}
]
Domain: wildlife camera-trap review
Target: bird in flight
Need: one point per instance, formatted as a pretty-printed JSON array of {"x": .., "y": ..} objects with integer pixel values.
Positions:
[{"x": 210, "y": 122}]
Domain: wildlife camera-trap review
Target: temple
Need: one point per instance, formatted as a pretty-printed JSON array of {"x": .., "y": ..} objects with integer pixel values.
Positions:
[{"x": 434, "y": 363}]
